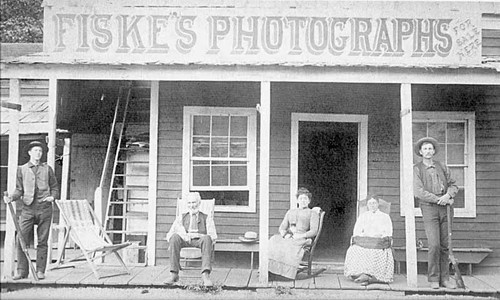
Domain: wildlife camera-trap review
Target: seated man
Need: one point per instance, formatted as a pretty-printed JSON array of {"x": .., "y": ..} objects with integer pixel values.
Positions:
[{"x": 192, "y": 229}]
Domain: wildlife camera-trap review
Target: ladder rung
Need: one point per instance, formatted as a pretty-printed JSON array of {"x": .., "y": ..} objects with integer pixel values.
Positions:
[{"x": 131, "y": 175}]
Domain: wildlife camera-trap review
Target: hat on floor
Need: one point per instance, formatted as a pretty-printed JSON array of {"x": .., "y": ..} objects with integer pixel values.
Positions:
[
  {"x": 249, "y": 237},
  {"x": 419, "y": 143}
]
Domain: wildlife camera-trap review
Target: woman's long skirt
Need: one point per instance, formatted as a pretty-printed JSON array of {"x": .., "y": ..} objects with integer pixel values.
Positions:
[
  {"x": 378, "y": 263},
  {"x": 285, "y": 255}
]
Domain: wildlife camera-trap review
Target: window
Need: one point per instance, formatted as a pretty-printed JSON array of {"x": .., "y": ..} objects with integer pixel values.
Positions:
[
  {"x": 219, "y": 158},
  {"x": 454, "y": 132}
]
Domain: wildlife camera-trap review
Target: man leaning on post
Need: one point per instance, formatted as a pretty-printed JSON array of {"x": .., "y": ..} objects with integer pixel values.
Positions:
[{"x": 36, "y": 185}]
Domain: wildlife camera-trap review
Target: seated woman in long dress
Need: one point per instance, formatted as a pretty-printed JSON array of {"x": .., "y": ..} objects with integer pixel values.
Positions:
[
  {"x": 297, "y": 229},
  {"x": 369, "y": 259}
]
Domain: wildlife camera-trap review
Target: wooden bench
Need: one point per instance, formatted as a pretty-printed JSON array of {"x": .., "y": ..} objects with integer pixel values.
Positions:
[
  {"x": 468, "y": 256},
  {"x": 235, "y": 245}
]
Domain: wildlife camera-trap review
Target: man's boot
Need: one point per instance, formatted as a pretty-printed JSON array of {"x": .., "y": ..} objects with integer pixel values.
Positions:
[{"x": 205, "y": 276}]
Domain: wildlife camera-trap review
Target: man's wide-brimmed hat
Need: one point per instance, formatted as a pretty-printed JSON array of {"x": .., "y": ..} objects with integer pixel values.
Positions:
[
  {"x": 249, "y": 237},
  {"x": 32, "y": 144},
  {"x": 419, "y": 143}
]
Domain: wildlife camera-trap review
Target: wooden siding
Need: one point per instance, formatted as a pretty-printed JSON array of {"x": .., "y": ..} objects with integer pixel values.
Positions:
[
  {"x": 34, "y": 101},
  {"x": 381, "y": 104},
  {"x": 173, "y": 96}
]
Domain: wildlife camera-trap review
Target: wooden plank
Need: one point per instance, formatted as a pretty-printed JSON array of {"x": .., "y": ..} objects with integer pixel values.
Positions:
[
  {"x": 265, "y": 132},
  {"x": 147, "y": 275},
  {"x": 406, "y": 183},
  {"x": 327, "y": 281},
  {"x": 52, "y": 276},
  {"x": 348, "y": 284},
  {"x": 476, "y": 285},
  {"x": 254, "y": 280},
  {"x": 160, "y": 277},
  {"x": 219, "y": 275},
  {"x": 77, "y": 275},
  {"x": 491, "y": 280},
  {"x": 9, "y": 242},
  {"x": 238, "y": 278},
  {"x": 153, "y": 172},
  {"x": 104, "y": 272},
  {"x": 399, "y": 283},
  {"x": 123, "y": 279}
]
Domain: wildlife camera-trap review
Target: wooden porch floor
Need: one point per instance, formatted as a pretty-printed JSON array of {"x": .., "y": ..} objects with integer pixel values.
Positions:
[{"x": 237, "y": 278}]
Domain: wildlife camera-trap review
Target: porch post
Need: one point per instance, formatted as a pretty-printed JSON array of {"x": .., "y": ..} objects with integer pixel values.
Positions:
[
  {"x": 153, "y": 172},
  {"x": 52, "y": 123},
  {"x": 10, "y": 244},
  {"x": 51, "y": 145},
  {"x": 265, "y": 132},
  {"x": 406, "y": 186}
]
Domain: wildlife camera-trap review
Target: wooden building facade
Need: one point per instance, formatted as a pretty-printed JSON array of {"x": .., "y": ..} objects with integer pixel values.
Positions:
[{"x": 245, "y": 103}]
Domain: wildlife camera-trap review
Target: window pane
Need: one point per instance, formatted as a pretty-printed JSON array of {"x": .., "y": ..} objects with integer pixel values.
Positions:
[
  {"x": 220, "y": 175},
  {"x": 437, "y": 131},
  {"x": 456, "y": 133},
  {"x": 201, "y": 125},
  {"x": 455, "y": 154},
  {"x": 220, "y": 125},
  {"x": 459, "y": 199},
  {"x": 201, "y": 175},
  {"x": 200, "y": 146},
  {"x": 441, "y": 153},
  {"x": 239, "y": 126},
  {"x": 238, "y": 175},
  {"x": 238, "y": 147},
  {"x": 458, "y": 175},
  {"x": 419, "y": 131},
  {"x": 219, "y": 147}
]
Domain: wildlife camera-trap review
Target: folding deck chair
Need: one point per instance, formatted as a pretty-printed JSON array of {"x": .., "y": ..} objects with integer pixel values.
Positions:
[{"x": 89, "y": 235}]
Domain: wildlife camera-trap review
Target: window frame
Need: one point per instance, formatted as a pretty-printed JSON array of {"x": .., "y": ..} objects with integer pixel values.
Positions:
[
  {"x": 469, "y": 209},
  {"x": 251, "y": 113}
]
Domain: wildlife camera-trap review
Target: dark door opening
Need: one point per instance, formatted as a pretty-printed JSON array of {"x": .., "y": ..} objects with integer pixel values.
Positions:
[{"x": 328, "y": 167}]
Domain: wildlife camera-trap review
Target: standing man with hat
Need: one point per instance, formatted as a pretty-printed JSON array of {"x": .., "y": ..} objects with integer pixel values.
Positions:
[
  {"x": 36, "y": 185},
  {"x": 434, "y": 188}
]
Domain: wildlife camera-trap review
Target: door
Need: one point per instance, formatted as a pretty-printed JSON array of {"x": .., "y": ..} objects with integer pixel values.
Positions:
[{"x": 329, "y": 164}]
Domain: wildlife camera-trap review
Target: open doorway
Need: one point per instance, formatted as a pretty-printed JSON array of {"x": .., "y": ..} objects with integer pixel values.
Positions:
[{"x": 331, "y": 163}]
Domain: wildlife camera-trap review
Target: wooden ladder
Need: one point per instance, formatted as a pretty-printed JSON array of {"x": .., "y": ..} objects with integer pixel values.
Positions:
[{"x": 127, "y": 202}]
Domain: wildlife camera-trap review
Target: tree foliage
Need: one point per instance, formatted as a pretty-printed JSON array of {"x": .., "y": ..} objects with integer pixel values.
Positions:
[{"x": 21, "y": 21}]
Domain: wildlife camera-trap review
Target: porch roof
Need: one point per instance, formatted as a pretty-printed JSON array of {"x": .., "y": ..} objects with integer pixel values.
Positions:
[{"x": 487, "y": 63}]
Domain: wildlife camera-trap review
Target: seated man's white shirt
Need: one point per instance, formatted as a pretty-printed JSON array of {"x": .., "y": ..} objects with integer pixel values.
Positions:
[{"x": 178, "y": 228}]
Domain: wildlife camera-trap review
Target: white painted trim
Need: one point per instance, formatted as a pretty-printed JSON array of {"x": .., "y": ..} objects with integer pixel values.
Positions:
[
  {"x": 366, "y": 74},
  {"x": 52, "y": 122},
  {"x": 362, "y": 120},
  {"x": 251, "y": 113},
  {"x": 153, "y": 171},
  {"x": 9, "y": 243},
  {"x": 265, "y": 138},
  {"x": 469, "y": 211},
  {"x": 406, "y": 184}
]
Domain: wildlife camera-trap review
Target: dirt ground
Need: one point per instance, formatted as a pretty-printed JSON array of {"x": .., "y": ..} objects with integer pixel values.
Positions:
[{"x": 198, "y": 293}]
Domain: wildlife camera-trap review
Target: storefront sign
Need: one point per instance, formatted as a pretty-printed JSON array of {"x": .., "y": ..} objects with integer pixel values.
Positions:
[{"x": 266, "y": 36}]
